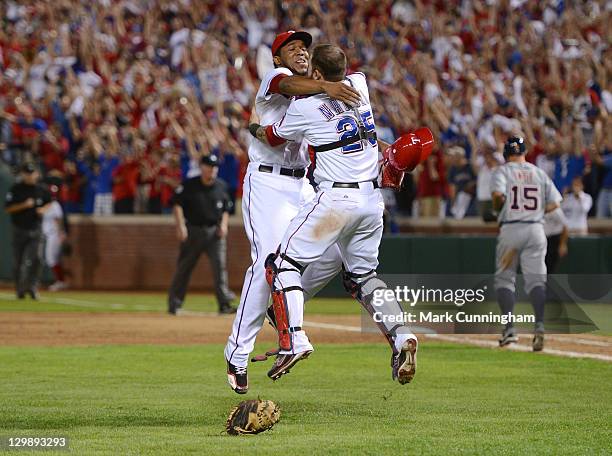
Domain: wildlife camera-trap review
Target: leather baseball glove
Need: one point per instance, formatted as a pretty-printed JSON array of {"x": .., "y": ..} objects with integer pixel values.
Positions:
[{"x": 252, "y": 417}]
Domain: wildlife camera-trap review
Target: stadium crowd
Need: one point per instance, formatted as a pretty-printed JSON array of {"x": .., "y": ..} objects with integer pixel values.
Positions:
[{"x": 117, "y": 99}]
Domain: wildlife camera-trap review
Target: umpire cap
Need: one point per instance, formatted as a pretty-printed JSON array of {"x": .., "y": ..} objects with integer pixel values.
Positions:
[{"x": 210, "y": 160}]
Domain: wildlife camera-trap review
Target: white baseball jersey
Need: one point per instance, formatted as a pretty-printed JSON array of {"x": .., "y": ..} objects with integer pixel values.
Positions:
[
  {"x": 319, "y": 120},
  {"x": 50, "y": 218},
  {"x": 51, "y": 230},
  {"x": 527, "y": 189},
  {"x": 271, "y": 108}
]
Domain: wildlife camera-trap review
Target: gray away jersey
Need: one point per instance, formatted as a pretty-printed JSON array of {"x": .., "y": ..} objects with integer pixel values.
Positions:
[{"x": 528, "y": 190}]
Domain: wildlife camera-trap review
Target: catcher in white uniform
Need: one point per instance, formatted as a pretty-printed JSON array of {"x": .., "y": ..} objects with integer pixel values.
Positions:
[
  {"x": 275, "y": 187},
  {"x": 347, "y": 211}
]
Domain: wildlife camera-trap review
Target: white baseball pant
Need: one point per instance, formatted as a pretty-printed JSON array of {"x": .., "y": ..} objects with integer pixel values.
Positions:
[{"x": 269, "y": 202}]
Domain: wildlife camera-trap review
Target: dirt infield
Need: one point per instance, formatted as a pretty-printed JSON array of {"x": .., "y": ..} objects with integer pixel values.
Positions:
[{"x": 84, "y": 329}]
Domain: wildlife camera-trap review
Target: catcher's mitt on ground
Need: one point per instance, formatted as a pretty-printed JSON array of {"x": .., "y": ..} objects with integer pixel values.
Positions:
[{"x": 252, "y": 417}]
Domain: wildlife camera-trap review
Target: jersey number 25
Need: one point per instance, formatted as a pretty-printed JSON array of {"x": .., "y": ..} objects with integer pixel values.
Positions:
[{"x": 347, "y": 126}]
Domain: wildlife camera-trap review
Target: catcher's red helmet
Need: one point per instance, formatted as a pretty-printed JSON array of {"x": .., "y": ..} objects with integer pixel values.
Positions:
[
  {"x": 427, "y": 141},
  {"x": 410, "y": 149}
]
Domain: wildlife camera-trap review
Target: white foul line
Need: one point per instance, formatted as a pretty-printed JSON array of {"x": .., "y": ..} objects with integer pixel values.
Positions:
[{"x": 478, "y": 342}]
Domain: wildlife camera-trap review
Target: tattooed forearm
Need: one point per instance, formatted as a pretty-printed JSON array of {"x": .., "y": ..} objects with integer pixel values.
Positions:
[
  {"x": 258, "y": 132},
  {"x": 261, "y": 135}
]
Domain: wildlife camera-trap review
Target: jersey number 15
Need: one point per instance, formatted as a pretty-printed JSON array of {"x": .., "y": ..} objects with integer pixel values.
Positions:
[{"x": 524, "y": 197}]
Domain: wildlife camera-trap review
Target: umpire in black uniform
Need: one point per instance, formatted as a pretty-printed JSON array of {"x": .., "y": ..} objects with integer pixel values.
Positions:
[
  {"x": 201, "y": 211},
  {"x": 26, "y": 202}
]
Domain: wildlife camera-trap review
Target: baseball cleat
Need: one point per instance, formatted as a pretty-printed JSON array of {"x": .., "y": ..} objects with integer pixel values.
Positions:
[
  {"x": 508, "y": 337},
  {"x": 403, "y": 364},
  {"x": 174, "y": 306},
  {"x": 538, "y": 341},
  {"x": 227, "y": 310},
  {"x": 237, "y": 378},
  {"x": 283, "y": 363}
]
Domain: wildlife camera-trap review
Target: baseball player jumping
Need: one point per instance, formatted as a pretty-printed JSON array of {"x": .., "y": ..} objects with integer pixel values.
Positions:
[
  {"x": 347, "y": 211},
  {"x": 274, "y": 189},
  {"x": 522, "y": 193}
]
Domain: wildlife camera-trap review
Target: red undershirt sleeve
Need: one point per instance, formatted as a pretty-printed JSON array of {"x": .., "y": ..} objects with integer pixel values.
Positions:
[
  {"x": 274, "y": 84},
  {"x": 273, "y": 140}
]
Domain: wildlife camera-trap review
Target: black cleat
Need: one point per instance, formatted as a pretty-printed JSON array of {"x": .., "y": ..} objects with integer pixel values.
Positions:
[
  {"x": 283, "y": 363},
  {"x": 237, "y": 378},
  {"x": 227, "y": 309},
  {"x": 508, "y": 337},
  {"x": 538, "y": 341},
  {"x": 174, "y": 306},
  {"x": 403, "y": 364}
]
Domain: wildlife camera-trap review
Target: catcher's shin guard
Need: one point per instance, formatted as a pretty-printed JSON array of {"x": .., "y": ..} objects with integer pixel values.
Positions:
[
  {"x": 279, "y": 300},
  {"x": 363, "y": 288}
]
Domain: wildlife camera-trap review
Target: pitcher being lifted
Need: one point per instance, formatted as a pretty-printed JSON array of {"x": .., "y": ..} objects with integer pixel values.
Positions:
[{"x": 347, "y": 210}]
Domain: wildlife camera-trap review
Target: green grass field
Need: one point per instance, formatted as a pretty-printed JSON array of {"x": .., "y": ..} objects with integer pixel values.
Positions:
[{"x": 173, "y": 400}]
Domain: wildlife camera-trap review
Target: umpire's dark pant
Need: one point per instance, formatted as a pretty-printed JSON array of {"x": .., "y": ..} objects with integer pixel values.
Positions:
[
  {"x": 200, "y": 239},
  {"x": 552, "y": 253},
  {"x": 27, "y": 259}
]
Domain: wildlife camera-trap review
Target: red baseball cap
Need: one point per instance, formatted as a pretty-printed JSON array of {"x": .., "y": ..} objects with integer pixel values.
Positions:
[{"x": 290, "y": 35}]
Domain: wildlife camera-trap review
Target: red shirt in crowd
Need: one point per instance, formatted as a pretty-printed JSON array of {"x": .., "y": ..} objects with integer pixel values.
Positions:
[
  {"x": 427, "y": 185},
  {"x": 168, "y": 178},
  {"x": 53, "y": 155},
  {"x": 125, "y": 180}
]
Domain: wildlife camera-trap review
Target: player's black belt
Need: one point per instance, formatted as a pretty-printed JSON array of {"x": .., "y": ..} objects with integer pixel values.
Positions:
[
  {"x": 299, "y": 173},
  {"x": 519, "y": 221},
  {"x": 352, "y": 184},
  {"x": 361, "y": 135}
]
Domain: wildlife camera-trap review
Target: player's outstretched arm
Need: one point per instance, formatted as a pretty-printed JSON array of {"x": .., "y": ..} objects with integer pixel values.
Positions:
[{"x": 302, "y": 85}]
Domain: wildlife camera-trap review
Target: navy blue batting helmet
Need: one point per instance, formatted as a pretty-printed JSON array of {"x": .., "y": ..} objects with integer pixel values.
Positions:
[{"x": 514, "y": 146}]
